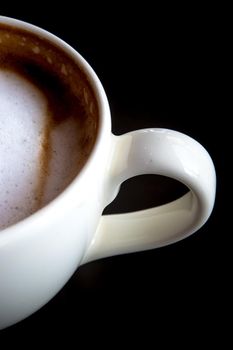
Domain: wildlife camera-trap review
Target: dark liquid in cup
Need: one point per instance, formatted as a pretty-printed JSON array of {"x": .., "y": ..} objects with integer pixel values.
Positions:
[{"x": 48, "y": 122}]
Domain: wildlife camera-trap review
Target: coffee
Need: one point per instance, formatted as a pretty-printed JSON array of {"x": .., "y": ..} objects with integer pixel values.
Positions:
[{"x": 48, "y": 122}]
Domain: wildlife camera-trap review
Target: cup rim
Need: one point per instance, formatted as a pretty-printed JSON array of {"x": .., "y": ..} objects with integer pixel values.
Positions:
[{"x": 104, "y": 126}]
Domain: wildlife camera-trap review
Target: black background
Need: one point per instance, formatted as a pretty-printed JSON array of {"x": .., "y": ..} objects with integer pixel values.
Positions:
[{"x": 160, "y": 68}]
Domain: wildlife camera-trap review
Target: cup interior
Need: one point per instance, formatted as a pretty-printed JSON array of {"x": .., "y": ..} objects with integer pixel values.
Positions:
[{"x": 49, "y": 118}]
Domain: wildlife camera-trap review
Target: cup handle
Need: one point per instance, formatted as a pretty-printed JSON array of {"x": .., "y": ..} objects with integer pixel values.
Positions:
[{"x": 163, "y": 152}]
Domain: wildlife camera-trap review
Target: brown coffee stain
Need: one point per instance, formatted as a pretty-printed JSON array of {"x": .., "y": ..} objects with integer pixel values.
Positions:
[{"x": 45, "y": 155}]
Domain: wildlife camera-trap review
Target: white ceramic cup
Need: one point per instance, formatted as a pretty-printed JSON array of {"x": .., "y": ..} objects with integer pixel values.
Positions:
[{"x": 39, "y": 254}]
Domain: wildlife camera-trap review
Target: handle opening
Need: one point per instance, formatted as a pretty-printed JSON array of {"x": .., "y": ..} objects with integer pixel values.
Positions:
[{"x": 145, "y": 192}]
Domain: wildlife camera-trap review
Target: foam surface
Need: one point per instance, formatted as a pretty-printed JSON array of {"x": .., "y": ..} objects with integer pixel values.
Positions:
[
  {"x": 21, "y": 130},
  {"x": 35, "y": 165}
]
